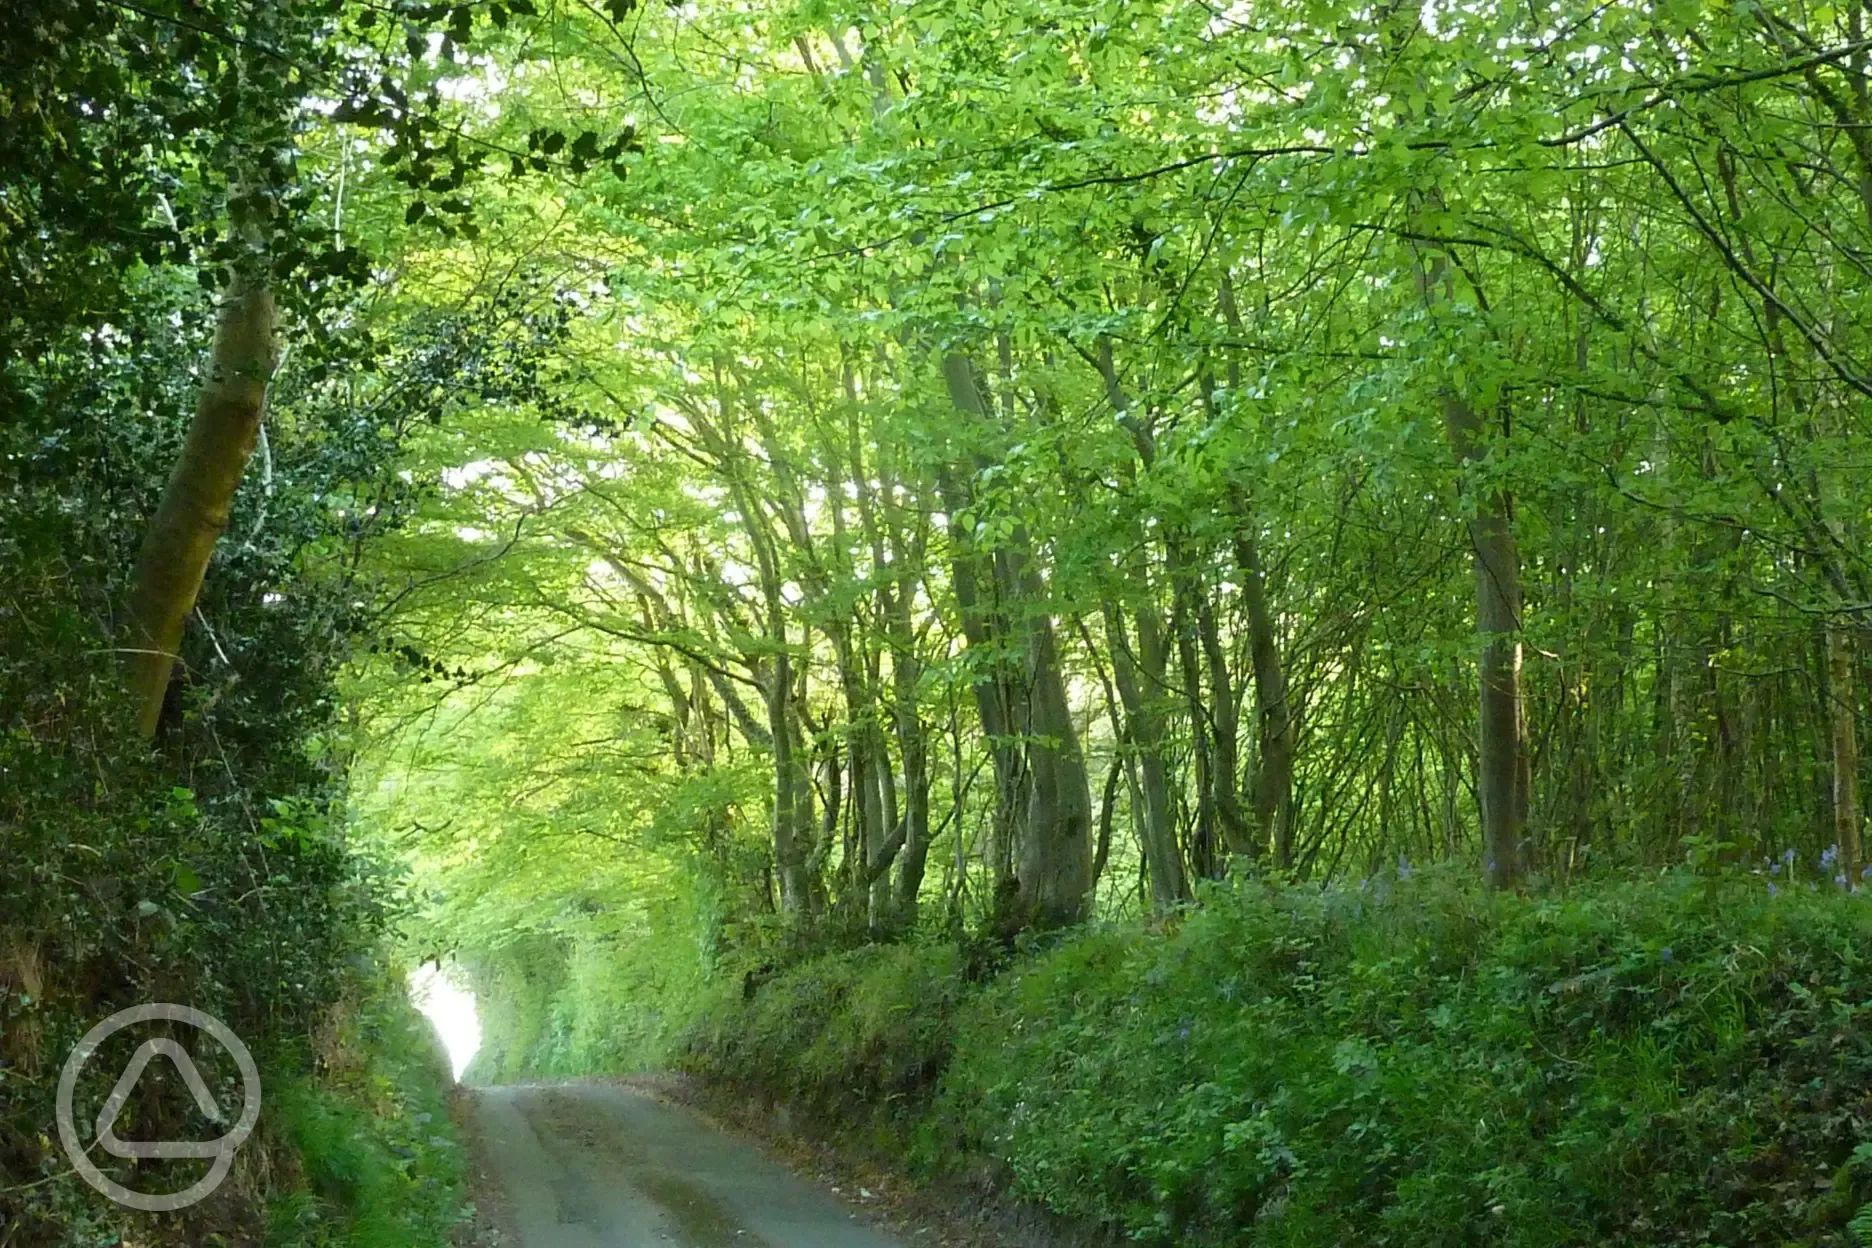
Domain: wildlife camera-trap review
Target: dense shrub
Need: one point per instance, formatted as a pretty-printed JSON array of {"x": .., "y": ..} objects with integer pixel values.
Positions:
[
  {"x": 514, "y": 990},
  {"x": 381, "y": 1162},
  {"x": 590, "y": 993},
  {"x": 163, "y": 900},
  {"x": 210, "y": 865},
  {"x": 1412, "y": 1063},
  {"x": 869, "y": 1029}
]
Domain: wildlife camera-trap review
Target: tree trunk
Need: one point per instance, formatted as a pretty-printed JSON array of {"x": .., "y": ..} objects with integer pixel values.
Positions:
[
  {"x": 916, "y": 846},
  {"x": 792, "y": 799},
  {"x": 1145, "y": 733},
  {"x": 1054, "y": 862},
  {"x": 195, "y": 505},
  {"x": 1502, "y": 779},
  {"x": 1502, "y": 751},
  {"x": 1226, "y": 715},
  {"x": 789, "y": 853},
  {"x": 1273, "y": 786},
  {"x": 990, "y": 685},
  {"x": 913, "y": 743},
  {"x": 869, "y": 885},
  {"x": 974, "y": 581},
  {"x": 1204, "y": 851},
  {"x": 1843, "y": 704},
  {"x": 1053, "y": 857},
  {"x": 1278, "y": 735}
]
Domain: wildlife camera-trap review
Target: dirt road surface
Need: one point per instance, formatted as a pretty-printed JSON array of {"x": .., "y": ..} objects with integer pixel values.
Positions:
[{"x": 599, "y": 1166}]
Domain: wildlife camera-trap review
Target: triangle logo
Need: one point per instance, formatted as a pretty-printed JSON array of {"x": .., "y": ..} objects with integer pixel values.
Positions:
[{"x": 126, "y": 1083}]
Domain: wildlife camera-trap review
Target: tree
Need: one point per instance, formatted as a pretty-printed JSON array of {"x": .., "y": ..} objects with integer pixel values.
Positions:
[{"x": 194, "y": 511}]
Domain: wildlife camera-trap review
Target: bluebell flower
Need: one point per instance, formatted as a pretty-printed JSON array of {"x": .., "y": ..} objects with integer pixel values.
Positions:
[
  {"x": 1787, "y": 855},
  {"x": 1664, "y": 954},
  {"x": 1840, "y": 879},
  {"x": 1829, "y": 856},
  {"x": 1403, "y": 867},
  {"x": 1772, "y": 890},
  {"x": 1774, "y": 868}
]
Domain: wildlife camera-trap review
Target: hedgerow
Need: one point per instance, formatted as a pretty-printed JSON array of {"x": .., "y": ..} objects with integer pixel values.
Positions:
[
  {"x": 1411, "y": 1062},
  {"x": 380, "y": 1162}
]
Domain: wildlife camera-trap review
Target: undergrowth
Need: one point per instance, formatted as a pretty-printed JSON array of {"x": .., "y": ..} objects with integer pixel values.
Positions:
[
  {"x": 611, "y": 993},
  {"x": 1416, "y": 1062},
  {"x": 380, "y": 1161}
]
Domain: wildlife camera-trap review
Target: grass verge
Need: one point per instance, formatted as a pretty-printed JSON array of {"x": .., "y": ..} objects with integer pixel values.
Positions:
[{"x": 380, "y": 1162}]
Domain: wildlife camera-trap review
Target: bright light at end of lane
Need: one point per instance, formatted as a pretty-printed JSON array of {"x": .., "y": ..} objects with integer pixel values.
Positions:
[{"x": 450, "y": 1008}]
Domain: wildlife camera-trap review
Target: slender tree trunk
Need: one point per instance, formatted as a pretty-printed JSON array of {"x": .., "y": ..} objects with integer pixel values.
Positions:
[
  {"x": 195, "y": 505},
  {"x": 1502, "y": 748},
  {"x": 869, "y": 886},
  {"x": 1107, "y": 803},
  {"x": 1053, "y": 857},
  {"x": 1273, "y": 786},
  {"x": 1055, "y": 854},
  {"x": 1145, "y": 734},
  {"x": 792, "y": 798},
  {"x": 806, "y": 850},
  {"x": 910, "y": 869},
  {"x": 990, "y": 685},
  {"x": 889, "y": 829},
  {"x": 832, "y": 784},
  {"x": 913, "y": 743},
  {"x": 1276, "y": 740},
  {"x": 789, "y": 854},
  {"x": 1226, "y": 714},
  {"x": 1205, "y": 858},
  {"x": 1502, "y": 778},
  {"x": 1843, "y": 704}
]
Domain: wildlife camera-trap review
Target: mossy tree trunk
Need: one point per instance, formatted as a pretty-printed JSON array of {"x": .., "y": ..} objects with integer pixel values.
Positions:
[{"x": 195, "y": 505}]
